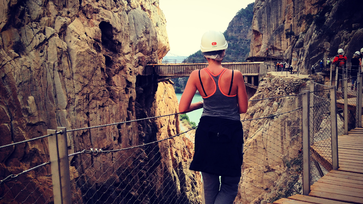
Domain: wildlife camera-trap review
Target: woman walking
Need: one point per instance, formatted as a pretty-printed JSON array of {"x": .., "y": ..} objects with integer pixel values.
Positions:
[
  {"x": 219, "y": 136},
  {"x": 354, "y": 69}
]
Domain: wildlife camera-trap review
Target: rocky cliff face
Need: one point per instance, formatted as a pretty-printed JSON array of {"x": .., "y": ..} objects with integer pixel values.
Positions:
[
  {"x": 303, "y": 32},
  {"x": 76, "y": 64},
  {"x": 272, "y": 161}
]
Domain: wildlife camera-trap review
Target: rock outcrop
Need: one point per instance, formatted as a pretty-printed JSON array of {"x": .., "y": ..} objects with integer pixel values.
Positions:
[
  {"x": 303, "y": 32},
  {"x": 271, "y": 142},
  {"x": 76, "y": 64},
  {"x": 272, "y": 165}
]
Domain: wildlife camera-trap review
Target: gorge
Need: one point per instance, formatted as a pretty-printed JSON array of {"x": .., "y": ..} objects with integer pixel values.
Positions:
[{"x": 76, "y": 64}]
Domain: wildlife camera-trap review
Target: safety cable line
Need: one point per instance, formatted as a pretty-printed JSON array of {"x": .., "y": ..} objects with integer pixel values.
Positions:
[
  {"x": 96, "y": 150},
  {"x": 11, "y": 176},
  {"x": 272, "y": 116},
  {"x": 276, "y": 97},
  {"x": 136, "y": 120},
  {"x": 118, "y": 123},
  {"x": 122, "y": 149},
  {"x": 91, "y": 127},
  {"x": 28, "y": 140}
]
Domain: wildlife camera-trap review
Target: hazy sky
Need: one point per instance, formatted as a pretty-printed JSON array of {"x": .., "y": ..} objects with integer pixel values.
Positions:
[{"x": 187, "y": 20}]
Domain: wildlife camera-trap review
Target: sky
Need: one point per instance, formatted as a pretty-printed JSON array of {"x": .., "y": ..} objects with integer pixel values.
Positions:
[{"x": 188, "y": 20}]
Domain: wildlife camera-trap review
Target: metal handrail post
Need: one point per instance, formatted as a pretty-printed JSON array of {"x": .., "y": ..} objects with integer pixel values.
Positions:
[
  {"x": 358, "y": 106},
  {"x": 345, "y": 105},
  {"x": 54, "y": 166},
  {"x": 334, "y": 128},
  {"x": 64, "y": 166},
  {"x": 306, "y": 143}
]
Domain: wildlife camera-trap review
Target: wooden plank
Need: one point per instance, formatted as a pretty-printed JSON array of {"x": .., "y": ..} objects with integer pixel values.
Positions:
[
  {"x": 349, "y": 141},
  {"x": 350, "y": 147},
  {"x": 322, "y": 158},
  {"x": 343, "y": 180},
  {"x": 334, "y": 196},
  {"x": 344, "y": 173},
  {"x": 338, "y": 183},
  {"x": 312, "y": 199},
  {"x": 289, "y": 201},
  {"x": 354, "y": 154},
  {"x": 357, "y": 192},
  {"x": 350, "y": 164},
  {"x": 351, "y": 158},
  {"x": 351, "y": 169},
  {"x": 357, "y": 163},
  {"x": 351, "y": 152}
]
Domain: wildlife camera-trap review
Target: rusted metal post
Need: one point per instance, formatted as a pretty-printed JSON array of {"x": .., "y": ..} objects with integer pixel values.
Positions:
[
  {"x": 334, "y": 128},
  {"x": 306, "y": 142}
]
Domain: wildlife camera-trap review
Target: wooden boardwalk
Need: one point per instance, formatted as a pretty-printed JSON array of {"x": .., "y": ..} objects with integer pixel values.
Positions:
[{"x": 344, "y": 185}]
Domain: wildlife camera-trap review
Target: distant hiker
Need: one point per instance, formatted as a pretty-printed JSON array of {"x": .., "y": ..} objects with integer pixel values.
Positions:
[
  {"x": 312, "y": 69},
  {"x": 354, "y": 69},
  {"x": 321, "y": 64},
  {"x": 328, "y": 62},
  {"x": 219, "y": 136},
  {"x": 277, "y": 66},
  {"x": 340, "y": 63}
]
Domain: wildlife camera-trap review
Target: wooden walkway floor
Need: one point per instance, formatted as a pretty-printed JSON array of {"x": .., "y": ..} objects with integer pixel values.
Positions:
[{"x": 344, "y": 185}]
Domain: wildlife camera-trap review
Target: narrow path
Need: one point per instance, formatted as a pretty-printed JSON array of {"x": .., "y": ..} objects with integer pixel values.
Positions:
[{"x": 344, "y": 185}]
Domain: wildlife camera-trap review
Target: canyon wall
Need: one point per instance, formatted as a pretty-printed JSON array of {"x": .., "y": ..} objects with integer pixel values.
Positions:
[
  {"x": 272, "y": 161},
  {"x": 76, "y": 64},
  {"x": 303, "y": 32}
]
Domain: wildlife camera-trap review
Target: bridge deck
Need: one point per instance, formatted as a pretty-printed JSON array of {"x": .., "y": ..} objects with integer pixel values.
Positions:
[
  {"x": 344, "y": 185},
  {"x": 184, "y": 69}
]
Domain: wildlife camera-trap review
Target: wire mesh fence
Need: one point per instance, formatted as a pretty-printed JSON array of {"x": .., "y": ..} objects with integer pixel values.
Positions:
[
  {"x": 272, "y": 163},
  {"x": 321, "y": 130},
  {"x": 142, "y": 176},
  {"x": 22, "y": 185},
  {"x": 148, "y": 173}
]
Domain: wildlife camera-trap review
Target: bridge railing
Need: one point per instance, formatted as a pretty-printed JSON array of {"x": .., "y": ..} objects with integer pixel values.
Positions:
[
  {"x": 273, "y": 156},
  {"x": 184, "y": 69}
]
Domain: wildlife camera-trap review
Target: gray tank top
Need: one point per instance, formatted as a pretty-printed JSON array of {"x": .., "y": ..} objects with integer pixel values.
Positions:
[{"x": 218, "y": 104}]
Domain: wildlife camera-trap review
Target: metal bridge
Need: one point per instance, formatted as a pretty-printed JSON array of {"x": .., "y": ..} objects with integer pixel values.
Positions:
[{"x": 250, "y": 70}]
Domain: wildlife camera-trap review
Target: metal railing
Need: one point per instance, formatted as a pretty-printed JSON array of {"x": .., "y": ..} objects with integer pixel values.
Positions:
[
  {"x": 184, "y": 69},
  {"x": 289, "y": 144}
]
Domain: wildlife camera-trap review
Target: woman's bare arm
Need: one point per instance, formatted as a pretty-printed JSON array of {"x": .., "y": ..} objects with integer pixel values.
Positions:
[
  {"x": 241, "y": 93},
  {"x": 185, "y": 104}
]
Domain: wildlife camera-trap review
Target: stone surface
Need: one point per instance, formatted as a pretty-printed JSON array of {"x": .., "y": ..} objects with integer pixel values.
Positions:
[
  {"x": 272, "y": 166},
  {"x": 318, "y": 28},
  {"x": 76, "y": 64},
  {"x": 271, "y": 141}
]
